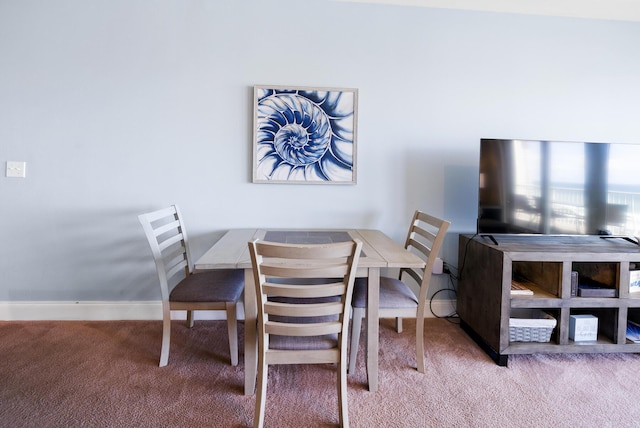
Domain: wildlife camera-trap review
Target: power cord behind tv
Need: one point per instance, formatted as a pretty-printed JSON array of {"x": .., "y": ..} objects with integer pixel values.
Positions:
[
  {"x": 446, "y": 269},
  {"x": 626, "y": 238}
]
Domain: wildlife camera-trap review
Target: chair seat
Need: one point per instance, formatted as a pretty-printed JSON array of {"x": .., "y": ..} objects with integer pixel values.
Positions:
[
  {"x": 393, "y": 294},
  {"x": 303, "y": 343},
  {"x": 222, "y": 285}
]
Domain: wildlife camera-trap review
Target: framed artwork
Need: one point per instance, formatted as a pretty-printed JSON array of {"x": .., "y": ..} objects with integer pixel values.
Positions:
[{"x": 304, "y": 135}]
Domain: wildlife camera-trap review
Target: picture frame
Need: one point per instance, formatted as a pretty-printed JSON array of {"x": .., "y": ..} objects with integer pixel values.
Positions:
[{"x": 304, "y": 135}]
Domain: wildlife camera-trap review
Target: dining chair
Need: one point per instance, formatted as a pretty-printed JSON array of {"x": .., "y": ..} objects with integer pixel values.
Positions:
[
  {"x": 180, "y": 288},
  {"x": 400, "y": 298},
  {"x": 303, "y": 317}
]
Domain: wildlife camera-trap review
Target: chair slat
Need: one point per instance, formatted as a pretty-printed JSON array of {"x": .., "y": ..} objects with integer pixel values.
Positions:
[
  {"x": 420, "y": 247},
  {"x": 416, "y": 275},
  {"x": 303, "y": 310},
  {"x": 304, "y": 271},
  {"x": 179, "y": 267},
  {"x": 161, "y": 213},
  {"x": 169, "y": 242},
  {"x": 301, "y": 330},
  {"x": 290, "y": 290},
  {"x": 303, "y": 251},
  {"x": 316, "y": 356},
  {"x": 173, "y": 226},
  {"x": 426, "y": 234},
  {"x": 175, "y": 256}
]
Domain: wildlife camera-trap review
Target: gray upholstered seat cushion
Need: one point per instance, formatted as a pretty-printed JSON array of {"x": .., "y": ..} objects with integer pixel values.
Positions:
[
  {"x": 393, "y": 294},
  {"x": 328, "y": 341},
  {"x": 218, "y": 285}
]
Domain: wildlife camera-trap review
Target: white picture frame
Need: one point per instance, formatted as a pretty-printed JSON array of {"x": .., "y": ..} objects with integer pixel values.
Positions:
[{"x": 304, "y": 135}]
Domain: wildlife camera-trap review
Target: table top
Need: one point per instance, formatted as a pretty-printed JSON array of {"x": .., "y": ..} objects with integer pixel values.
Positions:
[{"x": 378, "y": 250}]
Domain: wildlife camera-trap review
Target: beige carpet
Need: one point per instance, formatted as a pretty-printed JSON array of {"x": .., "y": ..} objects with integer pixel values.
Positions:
[{"x": 105, "y": 374}]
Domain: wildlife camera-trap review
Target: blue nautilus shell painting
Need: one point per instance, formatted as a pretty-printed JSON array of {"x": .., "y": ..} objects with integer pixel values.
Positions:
[{"x": 304, "y": 135}]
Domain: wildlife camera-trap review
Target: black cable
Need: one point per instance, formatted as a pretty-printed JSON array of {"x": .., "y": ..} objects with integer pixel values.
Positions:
[
  {"x": 452, "y": 289},
  {"x": 464, "y": 255}
]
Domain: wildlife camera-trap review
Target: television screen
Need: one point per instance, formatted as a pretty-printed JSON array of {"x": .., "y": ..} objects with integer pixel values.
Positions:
[{"x": 554, "y": 187}]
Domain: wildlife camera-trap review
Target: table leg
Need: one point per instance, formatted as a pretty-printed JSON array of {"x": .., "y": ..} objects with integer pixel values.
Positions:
[
  {"x": 250, "y": 335},
  {"x": 373, "y": 326}
]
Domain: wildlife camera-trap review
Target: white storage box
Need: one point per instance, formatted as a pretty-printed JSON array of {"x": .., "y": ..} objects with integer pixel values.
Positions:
[
  {"x": 530, "y": 325},
  {"x": 583, "y": 328}
]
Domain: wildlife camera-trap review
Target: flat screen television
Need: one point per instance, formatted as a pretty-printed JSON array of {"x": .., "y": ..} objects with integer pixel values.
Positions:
[{"x": 556, "y": 187}]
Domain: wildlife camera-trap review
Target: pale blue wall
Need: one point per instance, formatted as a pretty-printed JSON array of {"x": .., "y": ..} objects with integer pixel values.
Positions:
[{"x": 123, "y": 106}]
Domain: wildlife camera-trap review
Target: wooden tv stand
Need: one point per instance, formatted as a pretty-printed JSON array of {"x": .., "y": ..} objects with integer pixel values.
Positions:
[{"x": 488, "y": 264}]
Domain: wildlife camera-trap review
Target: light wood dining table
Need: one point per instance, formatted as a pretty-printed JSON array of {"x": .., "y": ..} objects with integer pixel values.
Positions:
[{"x": 378, "y": 251}]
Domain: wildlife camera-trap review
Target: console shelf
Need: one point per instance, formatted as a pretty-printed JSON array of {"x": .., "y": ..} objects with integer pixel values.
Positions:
[{"x": 546, "y": 262}]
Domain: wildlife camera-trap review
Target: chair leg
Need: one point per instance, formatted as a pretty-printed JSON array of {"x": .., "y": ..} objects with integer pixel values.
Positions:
[
  {"x": 420, "y": 343},
  {"x": 190, "y": 319},
  {"x": 356, "y": 326},
  {"x": 261, "y": 392},
  {"x": 343, "y": 406},
  {"x": 232, "y": 329},
  {"x": 166, "y": 334},
  {"x": 399, "y": 325}
]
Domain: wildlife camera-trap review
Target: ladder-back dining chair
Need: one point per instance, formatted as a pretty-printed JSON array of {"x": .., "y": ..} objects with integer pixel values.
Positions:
[
  {"x": 180, "y": 288},
  {"x": 397, "y": 298},
  {"x": 303, "y": 317}
]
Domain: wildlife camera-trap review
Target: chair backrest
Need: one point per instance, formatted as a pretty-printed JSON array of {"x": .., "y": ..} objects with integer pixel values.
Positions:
[
  {"x": 304, "y": 290},
  {"x": 425, "y": 237},
  {"x": 167, "y": 237}
]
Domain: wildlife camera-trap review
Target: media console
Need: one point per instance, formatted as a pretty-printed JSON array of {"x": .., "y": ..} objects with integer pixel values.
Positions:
[{"x": 485, "y": 303}]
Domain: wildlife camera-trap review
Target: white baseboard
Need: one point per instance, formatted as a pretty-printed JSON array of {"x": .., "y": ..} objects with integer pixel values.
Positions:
[
  {"x": 442, "y": 308},
  {"x": 114, "y": 311},
  {"x": 80, "y": 311},
  {"x": 97, "y": 311}
]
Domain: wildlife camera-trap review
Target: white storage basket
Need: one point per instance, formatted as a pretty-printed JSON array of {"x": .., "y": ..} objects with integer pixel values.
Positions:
[{"x": 530, "y": 325}]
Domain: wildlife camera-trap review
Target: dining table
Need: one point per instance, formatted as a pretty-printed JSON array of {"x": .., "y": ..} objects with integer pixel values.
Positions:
[{"x": 379, "y": 251}]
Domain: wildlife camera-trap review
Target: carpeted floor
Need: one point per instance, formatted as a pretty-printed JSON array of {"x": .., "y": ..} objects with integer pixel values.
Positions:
[{"x": 105, "y": 374}]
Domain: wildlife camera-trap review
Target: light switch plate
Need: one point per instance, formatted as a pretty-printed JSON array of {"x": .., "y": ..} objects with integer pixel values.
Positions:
[{"x": 16, "y": 169}]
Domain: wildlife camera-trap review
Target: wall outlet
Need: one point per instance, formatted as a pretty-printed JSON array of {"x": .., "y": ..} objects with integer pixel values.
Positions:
[
  {"x": 16, "y": 169},
  {"x": 438, "y": 266}
]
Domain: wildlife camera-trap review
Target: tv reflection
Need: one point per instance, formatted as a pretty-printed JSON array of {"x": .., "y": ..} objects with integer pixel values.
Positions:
[{"x": 551, "y": 187}]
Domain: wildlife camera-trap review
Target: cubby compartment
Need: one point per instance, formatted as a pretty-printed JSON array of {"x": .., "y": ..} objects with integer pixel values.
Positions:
[
  {"x": 597, "y": 279},
  {"x": 634, "y": 315},
  {"x": 633, "y": 326},
  {"x": 544, "y": 279},
  {"x": 634, "y": 280},
  {"x": 607, "y": 320}
]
